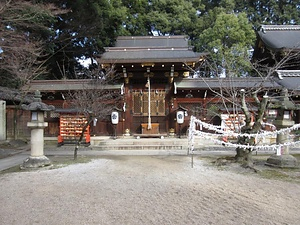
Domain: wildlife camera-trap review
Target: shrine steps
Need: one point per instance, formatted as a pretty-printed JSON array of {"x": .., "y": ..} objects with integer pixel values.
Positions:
[
  {"x": 140, "y": 145},
  {"x": 149, "y": 143}
]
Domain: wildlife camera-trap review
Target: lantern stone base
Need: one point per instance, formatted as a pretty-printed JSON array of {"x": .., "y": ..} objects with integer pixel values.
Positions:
[
  {"x": 282, "y": 161},
  {"x": 35, "y": 162}
]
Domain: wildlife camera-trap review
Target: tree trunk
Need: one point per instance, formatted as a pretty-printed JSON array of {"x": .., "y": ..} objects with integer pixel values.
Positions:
[
  {"x": 81, "y": 137},
  {"x": 248, "y": 161},
  {"x": 240, "y": 154},
  {"x": 244, "y": 155}
]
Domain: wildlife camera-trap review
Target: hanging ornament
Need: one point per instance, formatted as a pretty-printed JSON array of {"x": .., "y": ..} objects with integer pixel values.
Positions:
[{"x": 219, "y": 133}]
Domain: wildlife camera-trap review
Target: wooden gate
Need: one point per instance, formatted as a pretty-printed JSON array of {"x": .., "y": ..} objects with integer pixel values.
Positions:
[{"x": 140, "y": 108}]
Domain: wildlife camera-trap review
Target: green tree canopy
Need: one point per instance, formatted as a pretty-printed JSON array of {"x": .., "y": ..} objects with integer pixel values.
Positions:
[
  {"x": 83, "y": 32},
  {"x": 228, "y": 40},
  {"x": 135, "y": 22},
  {"x": 90, "y": 25},
  {"x": 261, "y": 12},
  {"x": 278, "y": 12},
  {"x": 173, "y": 17}
]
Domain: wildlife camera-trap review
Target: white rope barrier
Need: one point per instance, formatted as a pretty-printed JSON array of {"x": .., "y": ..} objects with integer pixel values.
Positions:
[
  {"x": 219, "y": 129},
  {"x": 219, "y": 133}
]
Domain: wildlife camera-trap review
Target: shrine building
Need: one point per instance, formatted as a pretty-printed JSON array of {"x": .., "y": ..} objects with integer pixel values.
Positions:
[
  {"x": 150, "y": 67},
  {"x": 157, "y": 77}
]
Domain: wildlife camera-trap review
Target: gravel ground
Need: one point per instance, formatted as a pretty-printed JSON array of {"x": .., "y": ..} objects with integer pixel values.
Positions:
[{"x": 146, "y": 190}]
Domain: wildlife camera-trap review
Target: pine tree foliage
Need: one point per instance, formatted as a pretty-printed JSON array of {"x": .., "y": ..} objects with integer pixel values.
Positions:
[{"x": 90, "y": 25}]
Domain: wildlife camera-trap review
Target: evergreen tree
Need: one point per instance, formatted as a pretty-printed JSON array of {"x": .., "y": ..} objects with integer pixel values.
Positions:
[
  {"x": 83, "y": 32},
  {"x": 25, "y": 29},
  {"x": 91, "y": 25},
  {"x": 173, "y": 17},
  {"x": 135, "y": 22},
  {"x": 228, "y": 37}
]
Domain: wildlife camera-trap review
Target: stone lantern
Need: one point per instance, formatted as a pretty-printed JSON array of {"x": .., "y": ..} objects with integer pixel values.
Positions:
[
  {"x": 285, "y": 108},
  {"x": 37, "y": 125}
]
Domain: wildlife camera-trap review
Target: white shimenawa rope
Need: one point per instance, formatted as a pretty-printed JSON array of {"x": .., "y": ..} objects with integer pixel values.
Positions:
[{"x": 220, "y": 132}]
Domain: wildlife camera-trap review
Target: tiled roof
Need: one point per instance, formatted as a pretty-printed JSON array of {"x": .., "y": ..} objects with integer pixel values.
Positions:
[
  {"x": 280, "y": 36},
  {"x": 289, "y": 79},
  {"x": 150, "y": 49},
  {"x": 152, "y": 41},
  {"x": 149, "y": 55},
  {"x": 288, "y": 73},
  {"x": 279, "y": 27},
  {"x": 8, "y": 94},
  {"x": 66, "y": 85},
  {"x": 216, "y": 83}
]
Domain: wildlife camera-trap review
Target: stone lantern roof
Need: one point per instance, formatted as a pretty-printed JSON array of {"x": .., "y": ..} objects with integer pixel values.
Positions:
[
  {"x": 37, "y": 104},
  {"x": 283, "y": 102}
]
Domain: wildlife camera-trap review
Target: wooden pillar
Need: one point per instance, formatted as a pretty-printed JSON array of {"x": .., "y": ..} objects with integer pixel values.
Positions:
[
  {"x": 127, "y": 114},
  {"x": 2, "y": 120}
]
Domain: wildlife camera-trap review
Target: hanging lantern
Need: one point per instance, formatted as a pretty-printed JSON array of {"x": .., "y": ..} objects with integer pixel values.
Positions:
[
  {"x": 114, "y": 117},
  {"x": 180, "y": 117}
]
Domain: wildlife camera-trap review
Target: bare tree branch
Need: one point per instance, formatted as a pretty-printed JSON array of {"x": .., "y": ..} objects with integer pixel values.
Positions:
[
  {"x": 95, "y": 100},
  {"x": 22, "y": 52}
]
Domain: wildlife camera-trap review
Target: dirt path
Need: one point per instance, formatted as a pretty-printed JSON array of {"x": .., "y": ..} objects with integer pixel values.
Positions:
[{"x": 146, "y": 190}]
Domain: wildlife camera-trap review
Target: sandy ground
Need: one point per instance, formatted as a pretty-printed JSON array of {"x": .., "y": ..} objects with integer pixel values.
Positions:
[{"x": 146, "y": 190}]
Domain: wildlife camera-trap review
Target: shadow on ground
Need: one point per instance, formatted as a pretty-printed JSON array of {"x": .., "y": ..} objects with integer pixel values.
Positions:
[
  {"x": 9, "y": 148},
  {"x": 228, "y": 163}
]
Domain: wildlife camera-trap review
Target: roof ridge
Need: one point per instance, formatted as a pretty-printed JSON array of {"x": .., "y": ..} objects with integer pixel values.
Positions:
[
  {"x": 151, "y": 48},
  {"x": 151, "y": 37},
  {"x": 288, "y": 73},
  {"x": 278, "y": 27}
]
